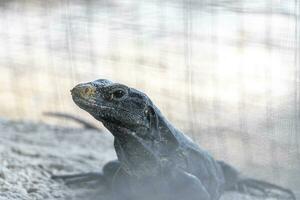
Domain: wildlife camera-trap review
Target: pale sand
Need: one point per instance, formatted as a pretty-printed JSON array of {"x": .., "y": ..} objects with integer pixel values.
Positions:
[{"x": 30, "y": 153}]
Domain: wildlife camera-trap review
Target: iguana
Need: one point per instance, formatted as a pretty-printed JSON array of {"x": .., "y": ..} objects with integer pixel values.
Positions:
[{"x": 156, "y": 160}]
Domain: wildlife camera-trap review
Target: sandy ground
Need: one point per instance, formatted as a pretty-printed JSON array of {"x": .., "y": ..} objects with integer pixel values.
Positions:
[{"x": 30, "y": 153}]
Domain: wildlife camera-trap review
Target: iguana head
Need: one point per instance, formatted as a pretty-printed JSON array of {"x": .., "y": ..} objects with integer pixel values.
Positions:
[
  {"x": 114, "y": 104},
  {"x": 130, "y": 116}
]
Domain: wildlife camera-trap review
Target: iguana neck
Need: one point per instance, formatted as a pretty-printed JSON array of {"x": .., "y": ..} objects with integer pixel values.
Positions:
[{"x": 141, "y": 151}]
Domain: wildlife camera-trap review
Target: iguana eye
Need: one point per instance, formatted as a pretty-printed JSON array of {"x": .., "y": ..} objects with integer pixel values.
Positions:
[{"x": 118, "y": 94}]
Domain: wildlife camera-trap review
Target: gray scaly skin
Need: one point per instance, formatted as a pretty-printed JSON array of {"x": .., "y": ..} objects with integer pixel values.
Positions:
[{"x": 155, "y": 160}]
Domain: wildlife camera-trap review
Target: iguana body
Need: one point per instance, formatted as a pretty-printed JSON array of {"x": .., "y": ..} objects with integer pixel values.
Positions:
[{"x": 155, "y": 160}]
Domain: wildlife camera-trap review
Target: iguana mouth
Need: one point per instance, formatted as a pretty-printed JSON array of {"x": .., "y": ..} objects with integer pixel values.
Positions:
[{"x": 91, "y": 103}]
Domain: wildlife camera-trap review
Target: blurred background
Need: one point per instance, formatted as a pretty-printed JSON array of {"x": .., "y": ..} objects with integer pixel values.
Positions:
[{"x": 225, "y": 72}]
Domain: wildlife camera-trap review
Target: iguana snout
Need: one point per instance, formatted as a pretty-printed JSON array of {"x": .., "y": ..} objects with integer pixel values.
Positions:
[{"x": 83, "y": 90}]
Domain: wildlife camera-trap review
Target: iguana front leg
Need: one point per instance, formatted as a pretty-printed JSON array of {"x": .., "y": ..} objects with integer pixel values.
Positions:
[{"x": 104, "y": 178}]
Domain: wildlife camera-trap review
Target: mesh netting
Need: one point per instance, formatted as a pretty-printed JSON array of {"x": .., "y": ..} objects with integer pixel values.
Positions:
[{"x": 226, "y": 72}]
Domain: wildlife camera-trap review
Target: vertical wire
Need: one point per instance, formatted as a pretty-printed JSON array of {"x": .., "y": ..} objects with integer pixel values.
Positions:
[
  {"x": 297, "y": 77},
  {"x": 69, "y": 39},
  {"x": 17, "y": 71},
  {"x": 70, "y": 50},
  {"x": 33, "y": 63},
  {"x": 90, "y": 18},
  {"x": 162, "y": 29},
  {"x": 139, "y": 45},
  {"x": 242, "y": 107},
  {"x": 9, "y": 56},
  {"x": 48, "y": 38},
  {"x": 114, "y": 37},
  {"x": 187, "y": 18},
  {"x": 29, "y": 52},
  {"x": 268, "y": 93},
  {"x": 216, "y": 130},
  {"x": 163, "y": 57}
]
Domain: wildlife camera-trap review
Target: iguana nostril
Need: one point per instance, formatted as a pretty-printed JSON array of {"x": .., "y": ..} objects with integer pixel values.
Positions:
[
  {"x": 87, "y": 90},
  {"x": 83, "y": 90}
]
